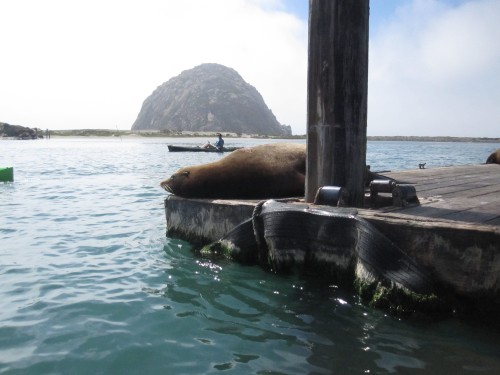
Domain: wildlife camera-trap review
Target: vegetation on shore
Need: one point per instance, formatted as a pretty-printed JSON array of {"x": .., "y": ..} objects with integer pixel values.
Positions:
[
  {"x": 162, "y": 133},
  {"x": 184, "y": 134},
  {"x": 28, "y": 133}
]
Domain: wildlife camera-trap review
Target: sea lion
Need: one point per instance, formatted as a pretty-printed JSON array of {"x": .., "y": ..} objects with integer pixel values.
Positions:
[
  {"x": 494, "y": 158},
  {"x": 260, "y": 172}
]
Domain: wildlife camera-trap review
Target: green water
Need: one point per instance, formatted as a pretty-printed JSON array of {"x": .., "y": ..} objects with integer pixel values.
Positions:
[{"x": 91, "y": 285}]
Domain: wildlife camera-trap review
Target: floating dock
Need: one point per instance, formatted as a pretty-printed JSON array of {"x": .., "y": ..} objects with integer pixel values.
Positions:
[{"x": 454, "y": 231}]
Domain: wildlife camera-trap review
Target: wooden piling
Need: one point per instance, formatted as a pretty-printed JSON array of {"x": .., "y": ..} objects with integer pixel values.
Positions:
[{"x": 337, "y": 97}]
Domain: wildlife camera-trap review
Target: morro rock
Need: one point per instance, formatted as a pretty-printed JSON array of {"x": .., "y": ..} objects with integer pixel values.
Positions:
[{"x": 208, "y": 98}]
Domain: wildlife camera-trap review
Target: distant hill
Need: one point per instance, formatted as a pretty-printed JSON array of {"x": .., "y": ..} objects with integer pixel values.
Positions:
[{"x": 208, "y": 98}]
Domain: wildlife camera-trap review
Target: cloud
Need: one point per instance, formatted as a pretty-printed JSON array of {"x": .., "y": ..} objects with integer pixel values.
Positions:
[
  {"x": 434, "y": 65},
  {"x": 90, "y": 64},
  {"x": 434, "y": 70}
]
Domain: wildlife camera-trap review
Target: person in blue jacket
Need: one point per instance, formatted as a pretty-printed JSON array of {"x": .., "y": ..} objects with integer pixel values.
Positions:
[{"x": 219, "y": 144}]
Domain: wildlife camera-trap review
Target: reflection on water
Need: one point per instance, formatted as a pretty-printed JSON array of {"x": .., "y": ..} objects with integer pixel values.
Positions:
[{"x": 90, "y": 284}]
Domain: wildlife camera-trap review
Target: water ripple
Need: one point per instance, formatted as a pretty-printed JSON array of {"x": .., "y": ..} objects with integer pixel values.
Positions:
[{"x": 90, "y": 284}]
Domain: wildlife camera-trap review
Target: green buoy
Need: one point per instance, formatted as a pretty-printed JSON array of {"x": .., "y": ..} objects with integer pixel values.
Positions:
[{"x": 7, "y": 174}]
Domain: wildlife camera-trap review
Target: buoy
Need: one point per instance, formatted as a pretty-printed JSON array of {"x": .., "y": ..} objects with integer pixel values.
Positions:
[{"x": 7, "y": 174}]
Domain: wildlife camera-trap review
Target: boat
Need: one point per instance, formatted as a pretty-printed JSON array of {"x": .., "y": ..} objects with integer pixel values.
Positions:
[{"x": 173, "y": 148}]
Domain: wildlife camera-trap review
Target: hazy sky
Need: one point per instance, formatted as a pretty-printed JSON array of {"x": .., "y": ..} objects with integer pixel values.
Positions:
[{"x": 71, "y": 64}]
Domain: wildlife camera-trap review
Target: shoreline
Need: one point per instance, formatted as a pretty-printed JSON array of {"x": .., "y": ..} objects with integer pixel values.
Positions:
[
  {"x": 188, "y": 134},
  {"x": 88, "y": 133}
]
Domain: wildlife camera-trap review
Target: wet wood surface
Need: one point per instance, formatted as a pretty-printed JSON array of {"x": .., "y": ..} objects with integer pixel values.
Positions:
[{"x": 469, "y": 193}]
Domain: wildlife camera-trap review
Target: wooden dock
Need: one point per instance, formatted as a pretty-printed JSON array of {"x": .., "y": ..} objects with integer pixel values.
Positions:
[
  {"x": 469, "y": 193},
  {"x": 454, "y": 231}
]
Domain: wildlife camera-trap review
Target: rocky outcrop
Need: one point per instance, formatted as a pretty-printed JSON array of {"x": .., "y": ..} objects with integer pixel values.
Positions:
[
  {"x": 209, "y": 97},
  {"x": 19, "y": 132}
]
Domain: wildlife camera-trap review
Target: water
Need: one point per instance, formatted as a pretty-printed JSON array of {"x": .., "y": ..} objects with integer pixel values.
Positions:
[{"x": 91, "y": 285}]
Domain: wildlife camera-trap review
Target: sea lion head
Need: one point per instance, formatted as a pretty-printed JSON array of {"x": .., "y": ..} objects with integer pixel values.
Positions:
[{"x": 176, "y": 181}]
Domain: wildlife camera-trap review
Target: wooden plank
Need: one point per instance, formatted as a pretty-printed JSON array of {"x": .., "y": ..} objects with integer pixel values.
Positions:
[
  {"x": 475, "y": 215},
  {"x": 462, "y": 193},
  {"x": 485, "y": 179},
  {"x": 460, "y": 178},
  {"x": 471, "y": 189},
  {"x": 484, "y": 175},
  {"x": 423, "y": 176},
  {"x": 468, "y": 210},
  {"x": 495, "y": 221}
]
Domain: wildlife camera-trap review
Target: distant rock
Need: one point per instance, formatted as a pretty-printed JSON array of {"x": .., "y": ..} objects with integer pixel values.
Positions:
[
  {"x": 19, "y": 132},
  {"x": 208, "y": 98}
]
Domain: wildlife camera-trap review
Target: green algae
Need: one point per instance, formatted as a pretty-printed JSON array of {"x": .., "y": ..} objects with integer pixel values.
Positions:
[
  {"x": 216, "y": 248},
  {"x": 229, "y": 250},
  {"x": 398, "y": 300}
]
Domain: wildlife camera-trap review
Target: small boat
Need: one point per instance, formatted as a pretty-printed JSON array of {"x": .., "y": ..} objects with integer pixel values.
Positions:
[{"x": 173, "y": 148}]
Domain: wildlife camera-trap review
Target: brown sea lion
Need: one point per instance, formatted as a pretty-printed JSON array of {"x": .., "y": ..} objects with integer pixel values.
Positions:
[
  {"x": 494, "y": 158},
  {"x": 261, "y": 172}
]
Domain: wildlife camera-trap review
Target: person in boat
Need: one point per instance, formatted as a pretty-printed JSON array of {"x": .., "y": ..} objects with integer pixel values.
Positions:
[{"x": 219, "y": 143}]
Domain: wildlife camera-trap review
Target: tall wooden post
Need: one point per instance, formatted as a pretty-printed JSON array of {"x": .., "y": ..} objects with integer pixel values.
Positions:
[{"x": 337, "y": 93}]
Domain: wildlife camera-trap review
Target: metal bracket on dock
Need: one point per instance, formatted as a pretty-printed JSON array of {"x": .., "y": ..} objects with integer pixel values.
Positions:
[
  {"x": 381, "y": 192},
  {"x": 404, "y": 195},
  {"x": 331, "y": 196},
  {"x": 381, "y": 186},
  {"x": 400, "y": 195}
]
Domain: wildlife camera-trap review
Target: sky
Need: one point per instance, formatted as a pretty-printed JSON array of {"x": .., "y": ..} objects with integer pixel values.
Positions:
[{"x": 434, "y": 65}]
